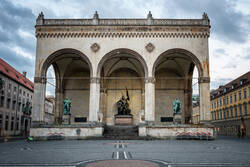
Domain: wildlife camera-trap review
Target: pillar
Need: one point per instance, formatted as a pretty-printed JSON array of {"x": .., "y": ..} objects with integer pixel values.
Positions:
[
  {"x": 38, "y": 101},
  {"x": 94, "y": 100},
  {"x": 150, "y": 99},
  {"x": 58, "y": 106},
  {"x": 204, "y": 89}
]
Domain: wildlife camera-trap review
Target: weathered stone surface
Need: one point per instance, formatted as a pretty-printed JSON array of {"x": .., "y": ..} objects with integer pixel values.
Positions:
[
  {"x": 66, "y": 132},
  {"x": 123, "y": 119}
]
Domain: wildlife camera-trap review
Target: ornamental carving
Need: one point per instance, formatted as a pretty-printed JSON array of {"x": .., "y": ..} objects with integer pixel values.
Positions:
[
  {"x": 95, "y": 47},
  {"x": 150, "y": 80},
  {"x": 150, "y": 47}
]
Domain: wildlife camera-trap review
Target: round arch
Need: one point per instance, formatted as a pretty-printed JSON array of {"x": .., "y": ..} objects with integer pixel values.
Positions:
[
  {"x": 61, "y": 53},
  {"x": 187, "y": 53},
  {"x": 114, "y": 53}
]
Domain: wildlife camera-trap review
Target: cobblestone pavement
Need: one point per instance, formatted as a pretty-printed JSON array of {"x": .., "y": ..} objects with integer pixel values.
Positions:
[{"x": 224, "y": 151}]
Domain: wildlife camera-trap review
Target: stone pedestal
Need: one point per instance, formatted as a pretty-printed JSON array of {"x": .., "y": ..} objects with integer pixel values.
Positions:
[
  {"x": 123, "y": 119},
  {"x": 177, "y": 118},
  {"x": 66, "y": 119}
]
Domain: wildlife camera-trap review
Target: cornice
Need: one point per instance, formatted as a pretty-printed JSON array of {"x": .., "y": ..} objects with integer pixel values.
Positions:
[{"x": 122, "y": 35}]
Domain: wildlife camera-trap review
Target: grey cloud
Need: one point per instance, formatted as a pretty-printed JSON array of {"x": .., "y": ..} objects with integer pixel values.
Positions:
[
  {"x": 215, "y": 83},
  {"x": 12, "y": 19},
  {"x": 226, "y": 22},
  {"x": 220, "y": 51},
  {"x": 20, "y": 63}
]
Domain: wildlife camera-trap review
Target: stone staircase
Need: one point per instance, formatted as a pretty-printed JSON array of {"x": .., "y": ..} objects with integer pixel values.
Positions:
[{"x": 121, "y": 132}]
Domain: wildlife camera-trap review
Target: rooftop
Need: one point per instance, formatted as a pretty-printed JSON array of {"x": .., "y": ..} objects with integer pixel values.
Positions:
[
  {"x": 12, "y": 73},
  {"x": 41, "y": 21},
  {"x": 231, "y": 86}
]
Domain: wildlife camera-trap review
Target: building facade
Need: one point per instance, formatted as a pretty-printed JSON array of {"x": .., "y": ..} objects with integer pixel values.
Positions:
[
  {"x": 16, "y": 94},
  {"x": 16, "y": 102},
  {"x": 49, "y": 110},
  {"x": 96, "y": 60},
  {"x": 230, "y": 103}
]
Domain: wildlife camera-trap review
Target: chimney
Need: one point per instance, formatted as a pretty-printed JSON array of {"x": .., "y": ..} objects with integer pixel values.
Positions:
[{"x": 24, "y": 73}]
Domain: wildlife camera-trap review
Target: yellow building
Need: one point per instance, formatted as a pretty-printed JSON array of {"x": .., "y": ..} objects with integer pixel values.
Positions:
[{"x": 230, "y": 103}]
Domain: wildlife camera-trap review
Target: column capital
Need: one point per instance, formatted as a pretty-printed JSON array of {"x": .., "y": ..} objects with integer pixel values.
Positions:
[
  {"x": 40, "y": 79},
  {"x": 95, "y": 80},
  {"x": 204, "y": 79},
  {"x": 149, "y": 80}
]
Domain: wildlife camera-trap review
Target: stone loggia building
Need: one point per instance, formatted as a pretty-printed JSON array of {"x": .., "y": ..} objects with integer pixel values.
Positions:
[{"x": 95, "y": 60}]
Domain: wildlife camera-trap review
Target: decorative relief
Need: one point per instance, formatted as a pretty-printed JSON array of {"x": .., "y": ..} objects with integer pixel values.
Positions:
[
  {"x": 150, "y": 47},
  {"x": 40, "y": 80},
  {"x": 204, "y": 80},
  {"x": 94, "y": 80},
  {"x": 150, "y": 80},
  {"x": 95, "y": 47}
]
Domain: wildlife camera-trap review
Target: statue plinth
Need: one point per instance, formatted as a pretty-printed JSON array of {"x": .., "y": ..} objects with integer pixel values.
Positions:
[
  {"x": 177, "y": 118},
  {"x": 123, "y": 119},
  {"x": 66, "y": 119}
]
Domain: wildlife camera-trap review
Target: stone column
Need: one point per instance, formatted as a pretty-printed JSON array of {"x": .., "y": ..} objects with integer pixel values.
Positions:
[
  {"x": 150, "y": 99},
  {"x": 103, "y": 102},
  {"x": 204, "y": 85},
  {"x": 38, "y": 101},
  {"x": 94, "y": 99},
  {"x": 58, "y": 106}
]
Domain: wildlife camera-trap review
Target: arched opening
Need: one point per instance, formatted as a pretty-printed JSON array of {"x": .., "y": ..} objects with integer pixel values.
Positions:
[
  {"x": 173, "y": 71},
  {"x": 72, "y": 71},
  {"x": 119, "y": 70}
]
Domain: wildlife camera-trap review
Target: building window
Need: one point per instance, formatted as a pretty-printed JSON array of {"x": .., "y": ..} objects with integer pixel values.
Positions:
[
  {"x": 231, "y": 99},
  {"x": 224, "y": 113},
  {"x": 20, "y": 91},
  {"x": 6, "y": 122},
  {"x": 218, "y": 117},
  {"x": 1, "y": 121},
  {"x": 13, "y": 105},
  {"x": 217, "y": 103},
  {"x": 227, "y": 100},
  {"x": 224, "y": 101},
  {"x": 8, "y": 103},
  {"x": 12, "y": 124},
  {"x": 23, "y": 93},
  {"x": 9, "y": 87},
  {"x": 220, "y": 102},
  {"x": 220, "y": 114},
  {"x": 239, "y": 95},
  {"x": 17, "y": 124},
  {"x": 19, "y": 107},
  {"x": 235, "y": 97},
  {"x": 245, "y": 108},
  {"x": 227, "y": 113},
  {"x": 240, "y": 110},
  {"x": 235, "y": 111},
  {"x": 245, "y": 93},
  {"x": 1, "y": 101},
  {"x": 15, "y": 89},
  {"x": 248, "y": 91},
  {"x": 231, "y": 108}
]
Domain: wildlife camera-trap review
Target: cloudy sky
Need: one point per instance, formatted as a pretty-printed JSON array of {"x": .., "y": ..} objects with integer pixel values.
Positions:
[{"x": 229, "y": 43}]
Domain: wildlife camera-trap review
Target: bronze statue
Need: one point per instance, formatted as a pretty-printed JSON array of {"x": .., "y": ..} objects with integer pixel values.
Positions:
[
  {"x": 123, "y": 105},
  {"x": 27, "y": 108},
  {"x": 177, "y": 106},
  {"x": 67, "y": 106}
]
